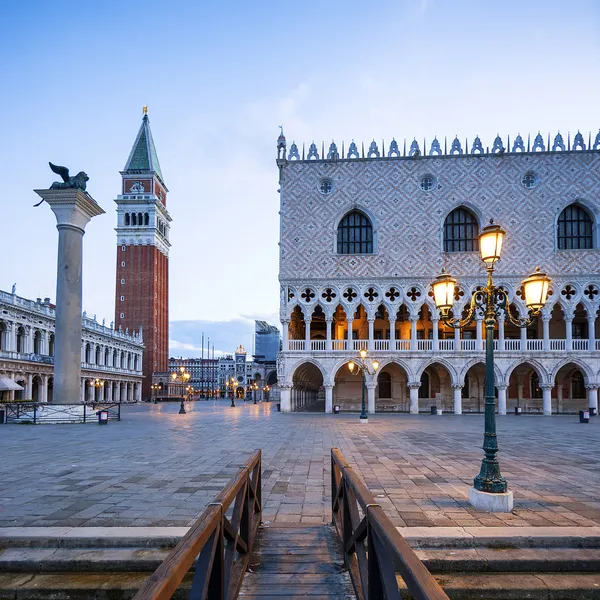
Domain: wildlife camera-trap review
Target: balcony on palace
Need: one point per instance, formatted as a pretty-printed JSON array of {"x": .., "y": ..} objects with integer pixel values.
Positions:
[{"x": 453, "y": 345}]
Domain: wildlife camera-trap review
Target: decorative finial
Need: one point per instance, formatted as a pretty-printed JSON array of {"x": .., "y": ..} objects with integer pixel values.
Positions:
[
  {"x": 145, "y": 110},
  {"x": 281, "y": 127}
]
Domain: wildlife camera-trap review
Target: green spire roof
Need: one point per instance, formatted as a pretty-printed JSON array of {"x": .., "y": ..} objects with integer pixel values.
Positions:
[{"x": 143, "y": 155}]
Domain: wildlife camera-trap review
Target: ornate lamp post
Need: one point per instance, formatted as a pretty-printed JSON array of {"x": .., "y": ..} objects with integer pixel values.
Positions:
[
  {"x": 183, "y": 376},
  {"x": 254, "y": 391},
  {"x": 490, "y": 490},
  {"x": 234, "y": 385},
  {"x": 154, "y": 387},
  {"x": 364, "y": 367},
  {"x": 266, "y": 391}
]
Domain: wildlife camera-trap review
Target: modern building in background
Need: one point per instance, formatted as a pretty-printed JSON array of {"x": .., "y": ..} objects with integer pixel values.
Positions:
[
  {"x": 267, "y": 342},
  {"x": 111, "y": 359},
  {"x": 363, "y": 235},
  {"x": 142, "y": 281}
]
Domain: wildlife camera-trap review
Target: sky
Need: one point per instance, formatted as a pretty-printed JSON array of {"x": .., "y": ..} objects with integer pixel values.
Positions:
[{"x": 218, "y": 79}]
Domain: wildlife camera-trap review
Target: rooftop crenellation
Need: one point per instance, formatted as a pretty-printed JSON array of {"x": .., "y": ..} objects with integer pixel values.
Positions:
[{"x": 456, "y": 148}]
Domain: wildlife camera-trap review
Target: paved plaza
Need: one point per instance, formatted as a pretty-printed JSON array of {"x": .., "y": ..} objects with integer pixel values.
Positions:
[{"x": 159, "y": 468}]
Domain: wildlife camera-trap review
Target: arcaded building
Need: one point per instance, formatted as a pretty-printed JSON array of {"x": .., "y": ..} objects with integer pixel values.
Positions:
[{"x": 365, "y": 232}]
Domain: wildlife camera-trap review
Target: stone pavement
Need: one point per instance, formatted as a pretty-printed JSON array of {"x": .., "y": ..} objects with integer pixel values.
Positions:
[{"x": 159, "y": 468}]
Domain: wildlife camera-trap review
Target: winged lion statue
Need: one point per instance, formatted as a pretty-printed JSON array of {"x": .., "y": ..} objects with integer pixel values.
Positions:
[{"x": 78, "y": 182}]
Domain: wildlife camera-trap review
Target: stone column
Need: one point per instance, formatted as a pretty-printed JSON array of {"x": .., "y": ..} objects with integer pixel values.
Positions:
[
  {"x": 569, "y": 332},
  {"x": 501, "y": 399},
  {"x": 29, "y": 333},
  {"x": 328, "y": 398},
  {"x": 547, "y": 397},
  {"x": 413, "y": 332},
  {"x": 82, "y": 392},
  {"x": 11, "y": 343},
  {"x": 559, "y": 397},
  {"x": 109, "y": 390},
  {"x": 523, "y": 339},
  {"x": 435, "y": 342},
  {"x": 414, "y": 386},
  {"x": 591, "y": 332},
  {"x": 328, "y": 323},
  {"x": 457, "y": 393},
  {"x": 371, "y": 343},
  {"x": 371, "y": 385},
  {"x": 73, "y": 210},
  {"x": 29, "y": 386},
  {"x": 546, "y": 331},
  {"x": 11, "y": 393},
  {"x": 44, "y": 397},
  {"x": 593, "y": 396},
  {"x": 501, "y": 333},
  {"x": 350, "y": 344},
  {"x": 285, "y": 335},
  {"x": 307, "y": 321},
  {"x": 457, "y": 340},
  {"x": 392, "y": 334},
  {"x": 478, "y": 332},
  {"x": 91, "y": 393},
  {"x": 285, "y": 398}
]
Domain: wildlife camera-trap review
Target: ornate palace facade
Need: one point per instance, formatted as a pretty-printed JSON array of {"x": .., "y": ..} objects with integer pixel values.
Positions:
[
  {"x": 363, "y": 234},
  {"x": 111, "y": 360}
]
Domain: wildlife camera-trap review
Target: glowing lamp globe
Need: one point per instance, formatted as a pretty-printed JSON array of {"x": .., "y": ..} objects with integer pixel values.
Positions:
[
  {"x": 536, "y": 290},
  {"x": 490, "y": 243},
  {"x": 351, "y": 366},
  {"x": 375, "y": 365},
  {"x": 443, "y": 291}
]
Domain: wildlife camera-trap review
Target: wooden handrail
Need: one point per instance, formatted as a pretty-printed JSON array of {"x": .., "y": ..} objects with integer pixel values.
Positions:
[
  {"x": 374, "y": 550},
  {"x": 220, "y": 546}
]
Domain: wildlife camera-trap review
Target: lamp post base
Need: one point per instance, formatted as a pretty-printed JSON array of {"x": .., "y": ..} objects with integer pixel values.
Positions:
[
  {"x": 182, "y": 408},
  {"x": 363, "y": 420},
  {"x": 502, "y": 502}
]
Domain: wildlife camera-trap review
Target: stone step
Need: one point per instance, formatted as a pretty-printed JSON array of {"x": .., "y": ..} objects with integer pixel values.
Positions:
[{"x": 517, "y": 586}]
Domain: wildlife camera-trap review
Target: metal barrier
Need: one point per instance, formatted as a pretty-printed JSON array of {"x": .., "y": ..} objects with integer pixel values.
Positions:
[
  {"x": 373, "y": 548},
  {"x": 38, "y": 413},
  {"x": 219, "y": 545}
]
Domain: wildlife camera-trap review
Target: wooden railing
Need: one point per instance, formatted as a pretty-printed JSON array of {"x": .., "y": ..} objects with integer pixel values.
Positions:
[
  {"x": 374, "y": 551},
  {"x": 219, "y": 543}
]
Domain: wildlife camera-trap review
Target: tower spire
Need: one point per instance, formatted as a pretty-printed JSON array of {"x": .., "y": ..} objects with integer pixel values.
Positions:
[{"x": 143, "y": 157}]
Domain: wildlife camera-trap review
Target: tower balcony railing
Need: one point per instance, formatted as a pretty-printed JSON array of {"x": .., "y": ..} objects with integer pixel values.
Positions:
[{"x": 469, "y": 345}]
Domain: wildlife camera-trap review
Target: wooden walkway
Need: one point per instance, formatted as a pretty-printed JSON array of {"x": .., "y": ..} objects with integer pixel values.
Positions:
[{"x": 290, "y": 562}]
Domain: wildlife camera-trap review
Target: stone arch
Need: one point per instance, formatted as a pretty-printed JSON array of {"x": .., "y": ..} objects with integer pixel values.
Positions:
[
  {"x": 311, "y": 361},
  {"x": 441, "y": 361},
  {"x": 498, "y": 375},
  {"x": 307, "y": 380},
  {"x": 585, "y": 368},
  {"x": 21, "y": 338},
  {"x": 533, "y": 363},
  {"x": 272, "y": 378},
  {"x": 397, "y": 361},
  {"x": 391, "y": 393}
]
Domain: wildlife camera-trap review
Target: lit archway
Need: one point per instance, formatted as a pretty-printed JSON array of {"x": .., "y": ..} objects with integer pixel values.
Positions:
[{"x": 307, "y": 388}]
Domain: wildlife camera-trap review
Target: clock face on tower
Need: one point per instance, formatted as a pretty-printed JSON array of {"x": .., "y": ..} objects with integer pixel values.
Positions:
[{"x": 137, "y": 187}]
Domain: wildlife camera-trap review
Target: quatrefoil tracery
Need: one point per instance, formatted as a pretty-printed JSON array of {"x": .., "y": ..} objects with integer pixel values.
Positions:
[
  {"x": 328, "y": 295},
  {"x": 413, "y": 294},
  {"x": 392, "y": 294},
  {"x": 307, "y": 295},
  {"x": 568, "y": 292},
  {"x": 350, "y": 294},
  {"x": 371, "y": 294},
  {"x": 591, "y": 292}
]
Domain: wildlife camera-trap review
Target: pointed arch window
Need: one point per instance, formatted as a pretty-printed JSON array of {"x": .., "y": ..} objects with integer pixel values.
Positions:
[
  {"x": 355, "y": 234},
  {"x": 461, "y": 231},
  {"x": 574, "y": 229}
]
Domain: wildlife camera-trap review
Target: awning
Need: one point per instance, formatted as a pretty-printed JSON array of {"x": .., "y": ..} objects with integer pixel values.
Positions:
[{"x": 7, "y": 384}]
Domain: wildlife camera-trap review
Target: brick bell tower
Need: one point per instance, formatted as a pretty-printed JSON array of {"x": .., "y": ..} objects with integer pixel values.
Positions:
[{"x": 142, "y": 287}]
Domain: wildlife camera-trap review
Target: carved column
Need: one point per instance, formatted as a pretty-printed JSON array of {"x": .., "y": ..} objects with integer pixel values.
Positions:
[
  {"x": 328, "y": 323},
  {"x": 546, "y": 331},
  {"x": 11, "y": 334},
  {"x": 591, "y": 332},
  {"x": 392, "y": 334},
  {"x": 285, "y": 335},
  {"x": 73, "y": 210},
  {"x": 371, "y": 343},
  {"x": 501, "y": 399},
  {"x": 569, "y": 332},
  {"x": 109, "y": 390},
  {"x": 285, "y": 398},
  {"x": 413, "y": 387},
  {"x": 457, "y": 393},
  {"x": 371, "y": 385},
  {"x": 523, "y": 339},
  {"x": 593, "y": 396},
  {"x": 328, "y": 398},
  {"x": 457, "y": 339},
  {"x": 435, "y": 342},
  {"x": 307, "y": 322},
  {"x": 350, "y": 343},
  {"x": 547, "y": 397},
  {"x": 29, "y": 386},
  {"x": 413, "y": 332},
  {"x": 44, "y": 397}
]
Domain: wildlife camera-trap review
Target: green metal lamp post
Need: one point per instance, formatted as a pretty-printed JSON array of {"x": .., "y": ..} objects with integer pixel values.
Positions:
[
  {"x": 234, "y": 385},
  {"x": 489, "y": 301},
  {"x": 361, "y": 364},
  {"x": 183, "y": 376}
]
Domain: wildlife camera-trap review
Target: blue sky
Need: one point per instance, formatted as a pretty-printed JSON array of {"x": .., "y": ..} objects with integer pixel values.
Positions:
[{"x": 218, "y": 79}]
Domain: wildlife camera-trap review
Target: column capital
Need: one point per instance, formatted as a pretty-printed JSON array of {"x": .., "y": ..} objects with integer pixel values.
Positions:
[
  {"x": 371, "y": 384},
  {"x": 501, "y": 386},
  {"x": 546, "y": 386},
  {"x": 546, "y": 317},
  {"x": 72, "y": 207},
  {"x": 329, "y": 319},
  {"x": 592, "y": 386},
  {"x": 457, "y": 386},
  {"x": 371, "y": 319},
  {"x": 413, "y": 318},
  {"x": 569, "y": 317},
  {"x": 414, "y": 385},
  {"x": 285, "y": 386},
  {"x": 328, "y": 386}
]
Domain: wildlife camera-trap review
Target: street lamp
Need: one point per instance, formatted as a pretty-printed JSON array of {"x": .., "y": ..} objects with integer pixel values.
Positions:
[
  {"x": 183, "y": 376},
  {"x": 266, "y": 391},
  {"x": 97, "y": 383},
  {"x": 234, "y": 385},
  {"x": 364, "y": 367},
  {"x": 254, "y": 391},
  {"x": 155, "y": 387},
  {"x": 490, "y": 300}
]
